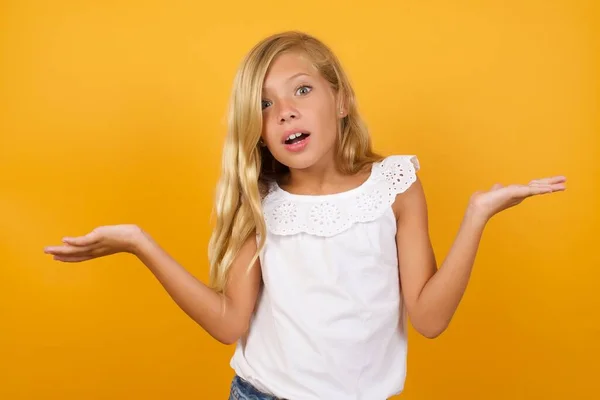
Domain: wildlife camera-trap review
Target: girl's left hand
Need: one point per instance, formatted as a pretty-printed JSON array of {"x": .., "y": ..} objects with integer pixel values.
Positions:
[{"x": 499, "y": 197}]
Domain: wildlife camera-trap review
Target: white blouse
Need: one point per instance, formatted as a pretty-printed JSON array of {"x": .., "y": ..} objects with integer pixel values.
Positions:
[{"x": 330, "y": 322}]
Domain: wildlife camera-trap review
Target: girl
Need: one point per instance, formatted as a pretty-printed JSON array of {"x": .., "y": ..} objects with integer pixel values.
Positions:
[{"x": 321, "y": 247}]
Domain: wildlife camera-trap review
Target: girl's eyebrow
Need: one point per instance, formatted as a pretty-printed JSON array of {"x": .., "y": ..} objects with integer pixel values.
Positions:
[
  {"x": 297, "y": 75},
  {"x": 265, "y": 89}
]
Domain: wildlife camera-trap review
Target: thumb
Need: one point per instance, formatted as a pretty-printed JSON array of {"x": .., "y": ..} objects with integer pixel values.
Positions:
[{"x": 86, "y": 240}]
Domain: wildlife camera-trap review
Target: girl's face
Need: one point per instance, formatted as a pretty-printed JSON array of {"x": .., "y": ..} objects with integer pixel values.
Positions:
[{"x": 300, "y": 113}]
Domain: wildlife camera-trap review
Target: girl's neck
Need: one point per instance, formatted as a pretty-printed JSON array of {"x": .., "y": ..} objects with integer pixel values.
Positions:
[{"x": 322, "y": 179}]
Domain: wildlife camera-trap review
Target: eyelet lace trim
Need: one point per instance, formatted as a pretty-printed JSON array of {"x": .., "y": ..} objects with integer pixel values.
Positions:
[{"x": 329, "y": 215}]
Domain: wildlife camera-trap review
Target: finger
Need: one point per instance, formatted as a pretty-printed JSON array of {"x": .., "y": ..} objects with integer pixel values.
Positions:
[
  {"x": 558, "y": 187},
  {"x": 68, "y": 250},
  {"x": 539, "y": 189},
  {"x": 555, "y": 187},
  {"x": 496, "y": 186},
  {"x": 86, "y": 240},
  {"x": 523, "y": 191},
  {"x": 72, "y": 259},
  {"x": 543, "y": 189},
  {"x": 549, "y": 180}
]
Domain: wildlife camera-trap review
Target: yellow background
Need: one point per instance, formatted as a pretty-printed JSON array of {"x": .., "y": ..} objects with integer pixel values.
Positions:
[{"x": 113, "y": 112}]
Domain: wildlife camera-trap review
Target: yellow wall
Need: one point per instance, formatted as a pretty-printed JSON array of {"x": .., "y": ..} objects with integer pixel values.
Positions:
[{"x": 113, "y": 112}]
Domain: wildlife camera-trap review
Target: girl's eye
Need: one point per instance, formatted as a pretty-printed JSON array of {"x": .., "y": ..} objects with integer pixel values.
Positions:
[{"x": 302, "y": 90}]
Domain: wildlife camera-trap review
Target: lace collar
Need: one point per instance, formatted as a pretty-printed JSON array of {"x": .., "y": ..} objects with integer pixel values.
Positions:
[{"x": 328, "y": 215}]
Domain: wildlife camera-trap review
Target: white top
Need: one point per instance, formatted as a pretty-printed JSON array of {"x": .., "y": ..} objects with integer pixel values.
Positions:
[{"x": 330, "y": 322}]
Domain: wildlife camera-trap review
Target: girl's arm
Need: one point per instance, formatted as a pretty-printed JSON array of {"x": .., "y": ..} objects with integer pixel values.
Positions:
[
  {"x": 224, "y": 317},
  {"x": 432, "y": 296}
]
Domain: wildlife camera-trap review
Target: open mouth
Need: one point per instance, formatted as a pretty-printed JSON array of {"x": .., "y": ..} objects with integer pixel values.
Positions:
[{"x": 296, "y": 138}]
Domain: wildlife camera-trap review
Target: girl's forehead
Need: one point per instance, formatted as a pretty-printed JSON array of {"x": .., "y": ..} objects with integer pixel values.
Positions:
[{"x": 287, "y": 67}]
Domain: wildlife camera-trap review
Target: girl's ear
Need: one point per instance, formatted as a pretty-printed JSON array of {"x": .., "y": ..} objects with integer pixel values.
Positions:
[{"x": 342, "y": 111}]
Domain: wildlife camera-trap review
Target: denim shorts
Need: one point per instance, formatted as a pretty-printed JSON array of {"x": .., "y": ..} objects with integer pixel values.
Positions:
[{"x": 243, "y": 390}]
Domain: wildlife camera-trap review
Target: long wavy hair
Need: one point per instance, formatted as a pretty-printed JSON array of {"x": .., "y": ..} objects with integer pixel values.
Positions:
[{"x": 248, "y": 167}]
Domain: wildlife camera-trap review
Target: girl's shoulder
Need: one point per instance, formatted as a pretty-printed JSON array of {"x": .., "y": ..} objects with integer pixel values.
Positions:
[{"x": 327, "y": 215}]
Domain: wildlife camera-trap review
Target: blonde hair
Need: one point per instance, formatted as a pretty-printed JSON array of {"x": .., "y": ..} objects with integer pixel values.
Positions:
[{"x": 247, "y": 167}]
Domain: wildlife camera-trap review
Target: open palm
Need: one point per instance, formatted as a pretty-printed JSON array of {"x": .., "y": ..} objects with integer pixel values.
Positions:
[
  {"x": 500, "y": 197},
  {"x": 100, "y": 242}
]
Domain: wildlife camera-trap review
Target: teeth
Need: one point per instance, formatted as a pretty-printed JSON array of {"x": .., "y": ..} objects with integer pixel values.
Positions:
[{"x": 293, "y": 136}]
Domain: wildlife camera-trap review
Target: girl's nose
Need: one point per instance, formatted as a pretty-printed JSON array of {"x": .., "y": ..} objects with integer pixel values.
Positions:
[{"x": 287, "y": 113}]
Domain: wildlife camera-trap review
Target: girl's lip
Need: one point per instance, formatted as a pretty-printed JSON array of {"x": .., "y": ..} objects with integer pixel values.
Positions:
[{"x": 298, "y": 146}]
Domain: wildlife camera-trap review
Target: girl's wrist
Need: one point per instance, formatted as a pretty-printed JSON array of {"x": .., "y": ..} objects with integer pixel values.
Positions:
[
  {"x": 476, "y": 216},
  {"x": 139, "y": 242}
]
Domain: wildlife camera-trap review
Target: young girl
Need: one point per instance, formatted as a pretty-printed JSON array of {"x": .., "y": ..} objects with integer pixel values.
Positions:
[{"x": 321, "y": 247}]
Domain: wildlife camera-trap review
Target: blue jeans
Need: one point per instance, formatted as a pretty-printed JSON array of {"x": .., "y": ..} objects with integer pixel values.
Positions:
[{"x": 243, "y": 390}]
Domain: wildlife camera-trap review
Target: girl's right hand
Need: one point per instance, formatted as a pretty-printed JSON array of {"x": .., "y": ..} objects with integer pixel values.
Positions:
[{"x": 100, "y": 242}]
